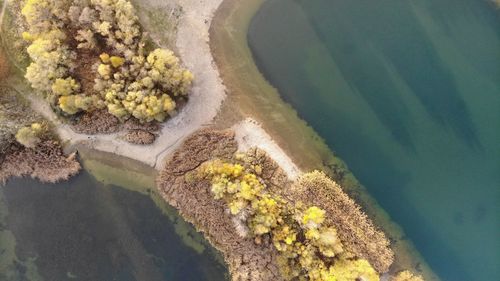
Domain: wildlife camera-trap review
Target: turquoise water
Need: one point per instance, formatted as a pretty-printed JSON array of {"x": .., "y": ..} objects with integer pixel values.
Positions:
[
  {"x": 408, "y": 94},
  {"x": 83, "y": 230}
]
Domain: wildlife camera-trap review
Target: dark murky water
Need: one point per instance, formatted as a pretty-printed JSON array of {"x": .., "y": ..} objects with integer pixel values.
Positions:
[{"x": 84, "y": 230}]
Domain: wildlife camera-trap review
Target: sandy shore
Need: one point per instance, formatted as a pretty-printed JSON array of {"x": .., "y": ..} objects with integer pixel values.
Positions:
[{"x": 249, "y": 133}]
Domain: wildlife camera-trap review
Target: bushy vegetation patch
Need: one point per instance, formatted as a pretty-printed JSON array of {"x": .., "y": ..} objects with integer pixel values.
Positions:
[
  {"x": 92, "y": 54},
  {"x": 309, "y": 248},
  {"x": 267, "y": 227},
  {"x": 15, "y": 114}
]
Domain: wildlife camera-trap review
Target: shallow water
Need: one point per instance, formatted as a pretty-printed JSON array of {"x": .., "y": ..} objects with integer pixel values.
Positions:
[
  {"x": 408, "y": 94},
  {"x": 85, "y": 230}
]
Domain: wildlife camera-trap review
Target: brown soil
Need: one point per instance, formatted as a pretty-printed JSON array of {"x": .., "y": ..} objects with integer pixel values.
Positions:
[
  {"x": 84, "y": 61},
  {"x": 97, "y": 122},
  {"x": 86, "y": 75},
  {"x": 45, "y": 162},
  {"x": 4, "y": 67},
  {"x": 246, "y": 260}
]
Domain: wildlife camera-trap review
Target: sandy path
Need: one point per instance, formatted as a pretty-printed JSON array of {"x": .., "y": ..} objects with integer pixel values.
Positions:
[
  {"x": 208, "y": 92},
  {"x": 249, "y": 133}
]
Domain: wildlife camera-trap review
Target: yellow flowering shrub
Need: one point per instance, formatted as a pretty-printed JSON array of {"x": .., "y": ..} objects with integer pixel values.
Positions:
[
  {"x": 313, "y": 217},
  {"x": 407, "y": 276},
  {"x": 74, "y": 103},
  {"x": 349, "y": 270},
  {"x": 116, "y": 61},
  {"x": 65, "y": 87},
  {"x": 104, "y": 71}
]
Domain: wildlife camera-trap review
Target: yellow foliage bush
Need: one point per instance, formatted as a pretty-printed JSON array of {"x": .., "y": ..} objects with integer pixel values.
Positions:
[
  {"x": 72, "y": 104},
  {"x": 349, "y": 270},
  {"x": 116, "y": 61},
  {"x": 65, "y": 87},
  {"x": 313, "y": 217},
  {"x": 355, "y": 229},
  {"x": 29, "y": 136},
  {"x": 104, "y": 70},
  {"x": 407, "y": 276},
  {"x": 104, "y": 58}
]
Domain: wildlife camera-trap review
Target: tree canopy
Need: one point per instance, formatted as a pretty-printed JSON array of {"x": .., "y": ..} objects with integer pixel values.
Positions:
[{"x": 126, "y": 79}]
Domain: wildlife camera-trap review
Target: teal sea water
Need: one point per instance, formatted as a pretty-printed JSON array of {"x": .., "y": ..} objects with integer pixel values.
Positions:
[
  {"x": 84, "y": 230},
  {"x": 407, "y": 93}
]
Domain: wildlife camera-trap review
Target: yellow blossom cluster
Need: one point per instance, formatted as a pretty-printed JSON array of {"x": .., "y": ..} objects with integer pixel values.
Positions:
[
  {"x": 309, "y": 249},
  {"x": 64, "y": 87},
  {"x": 349, "y": 270},
  {"x": 72, "y": 104}
]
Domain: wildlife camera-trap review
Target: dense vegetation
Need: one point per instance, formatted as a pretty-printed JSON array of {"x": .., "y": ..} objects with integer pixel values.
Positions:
[
  {"x": 27, "y": 145},
  {"x": 331, "y": 241},
  {"x": 310, "y": 249},
  {"x": 91, "y": 54},
  {"x": 355, "y": 229}
]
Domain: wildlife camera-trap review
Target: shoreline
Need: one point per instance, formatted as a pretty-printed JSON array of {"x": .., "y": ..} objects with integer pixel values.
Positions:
[
  {"x": 249, "y": 133},
  {"x": 133, "y": 175},
  {"x": 254, "y": 96},
  {"x": 117, "y": 172}
]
